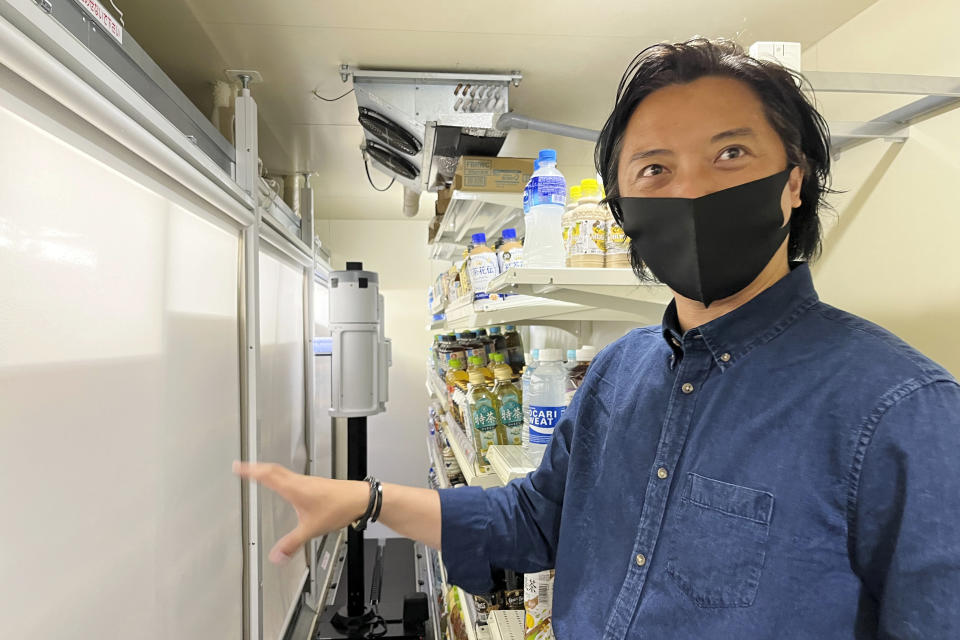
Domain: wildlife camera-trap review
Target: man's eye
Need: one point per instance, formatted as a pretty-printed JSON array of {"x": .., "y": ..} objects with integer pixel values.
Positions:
[
  {"x": 651, "y": 170},
  {"x": 732, "y": 153}
]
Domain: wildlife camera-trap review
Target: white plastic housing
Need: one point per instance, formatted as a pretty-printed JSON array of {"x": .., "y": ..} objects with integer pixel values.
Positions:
[{"x": 361, "y": 353}]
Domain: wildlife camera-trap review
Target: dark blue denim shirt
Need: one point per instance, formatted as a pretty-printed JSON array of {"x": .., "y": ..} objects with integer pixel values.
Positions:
[{"x": 787, "y": 470}]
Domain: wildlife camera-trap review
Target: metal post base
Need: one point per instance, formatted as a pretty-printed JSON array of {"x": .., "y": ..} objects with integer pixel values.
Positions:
[{"x": 354, "y": 626}]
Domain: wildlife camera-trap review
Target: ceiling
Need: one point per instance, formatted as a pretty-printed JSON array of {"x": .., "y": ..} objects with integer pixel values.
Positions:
[{"x": 571, "y": 55}]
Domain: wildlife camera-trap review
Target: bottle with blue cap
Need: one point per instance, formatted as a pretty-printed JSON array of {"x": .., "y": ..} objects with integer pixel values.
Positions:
[
  {"x": 528, "y": 189},
  {"x": 482, "y": 265},
  {"x": 510, "y": 252},
  {"x": 543, "y": 243},
  {"x": 546, "y": 401}
]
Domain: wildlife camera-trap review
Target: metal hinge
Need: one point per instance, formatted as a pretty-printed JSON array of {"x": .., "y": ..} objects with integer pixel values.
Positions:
[{"x": 45, "y": 5}]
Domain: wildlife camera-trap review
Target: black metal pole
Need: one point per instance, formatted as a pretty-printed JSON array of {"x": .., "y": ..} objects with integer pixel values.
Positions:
[{"x": 356, "y": 470}]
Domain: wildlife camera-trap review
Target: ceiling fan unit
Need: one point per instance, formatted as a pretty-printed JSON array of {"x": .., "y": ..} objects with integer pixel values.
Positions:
[{"x": 417, "y": 124}]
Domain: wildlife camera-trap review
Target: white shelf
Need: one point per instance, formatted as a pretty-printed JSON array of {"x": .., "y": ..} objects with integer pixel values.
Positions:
[
  {"x": 505, "y": 625},
  {"x": 509, "y": 462},
  {"x": 472, "y": 212},
  {"x": 437, "y": 389},
  {"x": 529, "y": 310},
  {"x": 614, "y": 290},
  {"x": 560, "y": 296},
  {"x": 468, "y": 467}
]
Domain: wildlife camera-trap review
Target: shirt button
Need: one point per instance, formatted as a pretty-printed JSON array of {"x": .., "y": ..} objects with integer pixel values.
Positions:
[
  {"x": 687, "y": 388},
  {"x": 725, "y": 357},
  {"x": 662, "y": 473},
  {"x": 675, "y": 342},
  {"x": 641, "y": 560}
]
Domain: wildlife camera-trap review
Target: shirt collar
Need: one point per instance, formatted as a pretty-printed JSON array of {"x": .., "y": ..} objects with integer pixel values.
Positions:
[{"x": 733, "y": 335}]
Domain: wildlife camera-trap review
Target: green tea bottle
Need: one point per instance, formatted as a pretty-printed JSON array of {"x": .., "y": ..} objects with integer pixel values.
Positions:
[
  {"x": 487, "y": 429},
  {"x": 509, "y": 406}
]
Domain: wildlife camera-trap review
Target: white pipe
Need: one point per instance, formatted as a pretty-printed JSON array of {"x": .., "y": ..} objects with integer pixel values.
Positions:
[{"x": 516, "y": 121}]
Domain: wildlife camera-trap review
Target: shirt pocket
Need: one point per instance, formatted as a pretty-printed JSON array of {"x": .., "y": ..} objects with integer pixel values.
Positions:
[{"x": 720, "y": 540}]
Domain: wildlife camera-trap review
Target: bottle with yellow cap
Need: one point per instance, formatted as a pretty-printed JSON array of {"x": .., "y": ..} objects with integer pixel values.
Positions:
[
  {"x": 484, "y": 418},
  {"x": 476, "y": 364},
  {"x": 509, "y": 404},
  {"x": 498, "y": 364},
  {"x": 566, "y": 222},
  {"x": 618, "y": 244},
  {"x": 590, "y": 228}
]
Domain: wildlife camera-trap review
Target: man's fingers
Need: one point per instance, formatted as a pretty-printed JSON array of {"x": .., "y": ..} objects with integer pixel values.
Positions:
[
  {"x": 288, "y": 545},
  {"x": 272, "y": 476}
]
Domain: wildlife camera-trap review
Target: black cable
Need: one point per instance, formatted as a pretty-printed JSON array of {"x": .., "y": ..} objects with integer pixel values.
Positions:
[
  {"x": 332, "y": 99},
  {"x": 366, "y": 167}
]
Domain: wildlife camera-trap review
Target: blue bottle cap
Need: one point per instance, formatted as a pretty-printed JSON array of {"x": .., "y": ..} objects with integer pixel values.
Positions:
[
  {"x": 509, "y": 234},
  {"x": 479, "y": 238},
  {"x": 571, "y": 354},
  {"x": 547, "y": 155},
  {"x": 511, "y": 327},
  {"x": 494, "y": 331}
]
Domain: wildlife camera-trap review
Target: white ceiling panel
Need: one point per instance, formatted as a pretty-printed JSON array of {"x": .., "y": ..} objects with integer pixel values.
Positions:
[{"x": 571, "y": 55}]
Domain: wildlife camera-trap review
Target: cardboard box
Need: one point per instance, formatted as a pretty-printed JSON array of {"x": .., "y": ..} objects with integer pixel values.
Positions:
[
  {"x": 443, "y": 200},
  {"x": 434, "y": 227},
  {"x": 503, "y": 175}
]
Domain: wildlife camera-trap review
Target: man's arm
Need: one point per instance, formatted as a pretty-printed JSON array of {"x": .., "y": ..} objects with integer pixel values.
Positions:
[
  {"x": 514, "y": 527},
  {"x": 905, "y": 535}
]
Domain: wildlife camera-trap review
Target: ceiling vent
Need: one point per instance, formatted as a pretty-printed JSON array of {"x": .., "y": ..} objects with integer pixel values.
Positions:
[{"x": 417, "y": 124}]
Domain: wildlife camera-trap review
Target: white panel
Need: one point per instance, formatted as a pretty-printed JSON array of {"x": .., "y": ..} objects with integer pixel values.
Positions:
[
  {"x": 281, "y": 406},
  {"x": 119, "y": 403}
]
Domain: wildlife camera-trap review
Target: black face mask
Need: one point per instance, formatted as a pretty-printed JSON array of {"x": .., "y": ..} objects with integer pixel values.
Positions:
[{"x": 711, "y": 247}]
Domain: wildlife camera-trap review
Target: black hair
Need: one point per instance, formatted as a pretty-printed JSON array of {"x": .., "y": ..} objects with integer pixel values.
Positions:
[{"x": 801, "y": 128}]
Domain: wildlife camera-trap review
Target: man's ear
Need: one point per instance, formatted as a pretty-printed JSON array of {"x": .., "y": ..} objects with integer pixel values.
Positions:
[{"x": 795, "y": 183}]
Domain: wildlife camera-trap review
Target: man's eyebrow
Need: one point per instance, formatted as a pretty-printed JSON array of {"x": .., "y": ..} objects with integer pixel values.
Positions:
[
  {"x": 733, "y": 133},
  {"x": 640, "y": 155}
]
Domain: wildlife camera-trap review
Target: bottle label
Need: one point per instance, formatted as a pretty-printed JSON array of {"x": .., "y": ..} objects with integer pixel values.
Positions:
[
  {"x": 617, "y": 240},
  {"x": 538, "y": 605},
  {"x": 548, "y": 190},
  {"x": 511, "y": 415},
  {"x": 543, "y": 420},
  {"x": 484, "y": 427},
  {"x": 512, "y": 259},
  {"x": 484, "y": 267},
  {"x": 589, "y": 238}
]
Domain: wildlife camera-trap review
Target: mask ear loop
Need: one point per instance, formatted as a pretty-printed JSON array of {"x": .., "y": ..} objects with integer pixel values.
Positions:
[{"x": 614, "y": 204}]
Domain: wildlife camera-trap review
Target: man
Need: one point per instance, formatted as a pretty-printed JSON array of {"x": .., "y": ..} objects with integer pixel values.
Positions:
[{"x": 761, "y": 466}]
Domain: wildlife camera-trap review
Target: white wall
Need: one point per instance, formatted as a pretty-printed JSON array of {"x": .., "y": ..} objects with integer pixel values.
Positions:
[
  {"x": 397, "y": 250},
  {"x": 892, "y": 257}
]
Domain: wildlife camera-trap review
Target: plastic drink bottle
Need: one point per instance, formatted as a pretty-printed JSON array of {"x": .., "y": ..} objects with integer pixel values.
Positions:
[
  {"x": 543, "y": 244},
  {"x": 487, "y": 429},
  {"x": 531, "y": 359},
  {"x": 547, "y": 402},
  {"x": 509, "y": 405}
]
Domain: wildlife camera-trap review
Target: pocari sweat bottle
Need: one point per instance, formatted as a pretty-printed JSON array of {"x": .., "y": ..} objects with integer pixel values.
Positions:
[
  {"x": 548, "y": 386},
  {"x": 531, "y": 359},
  {"x": 543, "y": 243},
  {"x": 528, "y": 190}
]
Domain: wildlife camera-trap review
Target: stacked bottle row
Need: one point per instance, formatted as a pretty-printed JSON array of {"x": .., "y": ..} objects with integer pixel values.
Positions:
[
  {"x": 548, "y": 386},
  {"x": 480, "y": 263},
  {"x": 569, "y": 228},
  {"x": 505, "y": 341},
  {"x": 591, "y": 236},
  {"x": 450, "y": 468}
]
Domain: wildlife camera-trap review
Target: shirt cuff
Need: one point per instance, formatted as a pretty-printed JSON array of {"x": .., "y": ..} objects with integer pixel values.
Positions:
[{"x": 465, "y": 522}]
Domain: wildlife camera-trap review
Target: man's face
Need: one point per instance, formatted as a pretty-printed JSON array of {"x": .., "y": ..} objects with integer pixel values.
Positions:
[{"x": 688, "y": 140}]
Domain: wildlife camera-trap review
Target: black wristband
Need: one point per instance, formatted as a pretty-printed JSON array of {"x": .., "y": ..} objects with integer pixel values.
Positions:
[
  {"x": 376, "y": 510},
  {"x": 361, "y": 524}
]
